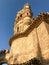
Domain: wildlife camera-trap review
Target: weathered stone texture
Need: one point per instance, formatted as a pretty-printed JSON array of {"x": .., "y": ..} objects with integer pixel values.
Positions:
[
  {"x": 43, "y": 37},
  {"x": 30, "y": 41},
  {"x": 25, "y": 44},
  {"x": 24, "y": 47}
]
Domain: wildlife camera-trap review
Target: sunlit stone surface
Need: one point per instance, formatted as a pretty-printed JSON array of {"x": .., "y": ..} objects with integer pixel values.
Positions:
[{"x": 30, "y": 42}]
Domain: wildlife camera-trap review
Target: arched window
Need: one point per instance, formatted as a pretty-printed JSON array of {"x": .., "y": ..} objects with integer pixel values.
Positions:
[
  {"x": 17, "y": 29},
  {"x": 20, "y": 15},
  {"x": 27, "y": 13}
]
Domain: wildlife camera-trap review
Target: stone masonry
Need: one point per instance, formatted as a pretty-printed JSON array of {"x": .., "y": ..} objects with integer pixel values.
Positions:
[{"x": 30, "y": 42}]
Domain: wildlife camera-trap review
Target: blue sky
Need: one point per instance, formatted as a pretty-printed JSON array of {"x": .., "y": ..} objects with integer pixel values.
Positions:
[{"x": 8, "y": 10}]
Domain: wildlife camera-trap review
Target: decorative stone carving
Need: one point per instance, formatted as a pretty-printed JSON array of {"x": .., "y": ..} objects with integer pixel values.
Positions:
[{"x": 23, "y": 18}]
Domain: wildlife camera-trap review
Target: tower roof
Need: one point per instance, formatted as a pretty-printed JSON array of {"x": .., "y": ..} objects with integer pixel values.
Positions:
[
  {"x": 27, "y": 5},
  {"x": 25, "y": 12}
]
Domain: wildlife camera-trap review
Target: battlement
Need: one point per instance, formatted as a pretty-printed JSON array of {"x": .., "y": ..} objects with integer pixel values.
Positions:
[
  {"x": 4, "y": 55},
  {"x": 4, "y": 51}
]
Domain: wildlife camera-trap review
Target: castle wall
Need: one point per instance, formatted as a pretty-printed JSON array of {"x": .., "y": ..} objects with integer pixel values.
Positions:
[
  {"x": 43, "y": 36},
  {"x": 25, "y": 48}
]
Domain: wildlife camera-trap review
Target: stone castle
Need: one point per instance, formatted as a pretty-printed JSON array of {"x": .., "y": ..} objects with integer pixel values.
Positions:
[{"x": 30, "y": 42}]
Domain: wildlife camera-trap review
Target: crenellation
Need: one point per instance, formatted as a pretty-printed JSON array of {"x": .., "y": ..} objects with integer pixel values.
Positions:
[{"x": 4, "y": 51}]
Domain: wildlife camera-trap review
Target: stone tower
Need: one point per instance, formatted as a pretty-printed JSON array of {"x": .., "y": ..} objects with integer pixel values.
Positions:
[
  {"x": 23, "y": 19},
  {"x": 30, "y": 42}
]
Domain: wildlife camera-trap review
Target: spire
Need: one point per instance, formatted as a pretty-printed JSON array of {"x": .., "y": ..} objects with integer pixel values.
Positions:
[
  {"x": 27, "y": 6},
  {"x": 26, "y": 11}
]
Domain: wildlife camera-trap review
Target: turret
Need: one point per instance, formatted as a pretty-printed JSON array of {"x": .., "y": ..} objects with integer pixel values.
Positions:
[{"x": 23, "y": 19}]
